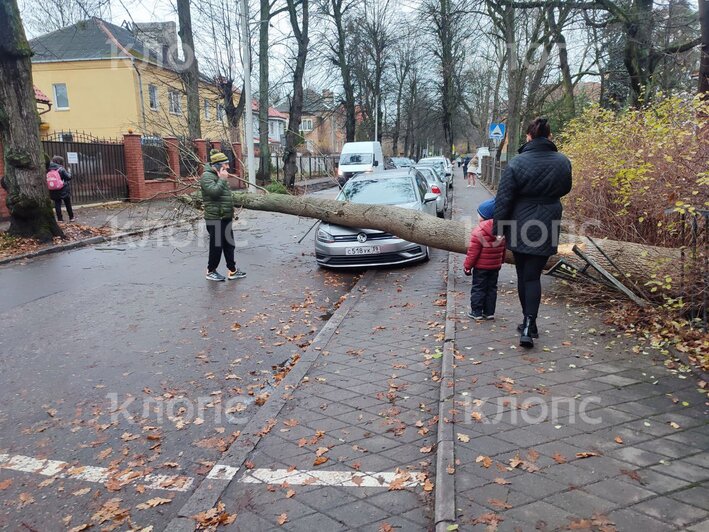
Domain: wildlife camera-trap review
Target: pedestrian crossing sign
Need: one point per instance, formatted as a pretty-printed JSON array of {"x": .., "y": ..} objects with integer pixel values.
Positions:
[{"x": 497, "y": 131}]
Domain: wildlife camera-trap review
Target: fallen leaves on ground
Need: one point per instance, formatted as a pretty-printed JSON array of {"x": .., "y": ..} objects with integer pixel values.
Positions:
[
  {"x": 634, "y": 475},
  {"x": 320, "y": 460},
  {"x": 586, "y": 454},
  {"x": 152, "y": 503},
  {"x": 618, "y": 440},
  {"x": 386, "y": 527},
  {"x": 486, "y": 461},
  {"x": 214, "y": 517},
  {"x": 5, "y": 484},
  {"x": 25, "y": 499},
  {"x": 489, "y": 518},
  {"x": 499, "y": 504},
  {"x": 111, "y": 511},
  {"x": 463, "y": 437},
  {"x": 559, "y": 458},
  {"x": 282, "y": 519},
  {"x": 526, "y": 465}
]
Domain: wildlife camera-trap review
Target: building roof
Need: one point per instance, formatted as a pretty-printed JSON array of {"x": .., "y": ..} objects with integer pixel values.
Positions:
[
  {"x": 272, "y": 111},
  {"x": 314, "y": 103},
  {"x": 40, "y": 97}
]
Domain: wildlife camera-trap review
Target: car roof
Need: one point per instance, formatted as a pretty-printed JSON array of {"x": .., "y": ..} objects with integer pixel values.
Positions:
[{"x": 387, "y": 174}]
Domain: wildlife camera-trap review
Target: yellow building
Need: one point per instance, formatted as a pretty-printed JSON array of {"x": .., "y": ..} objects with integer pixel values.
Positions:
[{"x": 105, "y": 79}]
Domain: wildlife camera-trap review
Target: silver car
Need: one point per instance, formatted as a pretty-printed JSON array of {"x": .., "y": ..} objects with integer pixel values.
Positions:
[
  {"x": 345, "y": 247},
  {"x": 440, "y": 164},
  {"x": 437, "y": 185}
]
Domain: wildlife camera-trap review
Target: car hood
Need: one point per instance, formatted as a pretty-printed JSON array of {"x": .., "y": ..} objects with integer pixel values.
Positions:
[{"x": 338, "y": 230}]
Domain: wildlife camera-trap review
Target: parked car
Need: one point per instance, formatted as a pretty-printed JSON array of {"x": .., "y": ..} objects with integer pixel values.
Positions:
[
  {"x": 344, "y": 247},
  {"x": 358, "y": 157},
  {"x": 446, "y": 164},
  {"x": 437, "y": 185},
  {"x": 440, "y": 165},
  {"x": 402, "y": 162}
]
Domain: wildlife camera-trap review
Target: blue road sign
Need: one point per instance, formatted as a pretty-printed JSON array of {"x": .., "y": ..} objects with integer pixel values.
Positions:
[{"x": 497, "y": 131}]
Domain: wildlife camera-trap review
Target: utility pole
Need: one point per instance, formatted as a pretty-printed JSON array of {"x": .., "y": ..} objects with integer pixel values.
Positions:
[
  {"x": 376, "y": 117},
  {"x": 248, "y": 110}
]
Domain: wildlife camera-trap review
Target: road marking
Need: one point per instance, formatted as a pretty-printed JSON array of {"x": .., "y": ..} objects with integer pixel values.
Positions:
[
  {"x": 222, "y": 472},
  {"x": 99, "y": 475},
  {"x": 348, "y": 479}
]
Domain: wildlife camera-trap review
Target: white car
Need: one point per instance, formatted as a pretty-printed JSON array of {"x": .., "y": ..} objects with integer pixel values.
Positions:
[{"x": 444, "y": 163}]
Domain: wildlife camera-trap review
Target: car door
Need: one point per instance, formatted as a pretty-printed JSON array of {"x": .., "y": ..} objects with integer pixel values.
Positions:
[{"x": 422, "y": 185}]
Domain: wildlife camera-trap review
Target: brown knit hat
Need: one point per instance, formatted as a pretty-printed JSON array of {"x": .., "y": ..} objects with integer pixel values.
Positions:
[{"x": 216, "y": 157}]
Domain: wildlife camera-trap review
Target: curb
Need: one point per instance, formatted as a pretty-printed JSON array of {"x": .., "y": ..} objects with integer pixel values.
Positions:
[
  {"x": 90, "y": 241},
  {"x": 206, "y": 495},
  {"x": 444, "y": 500}
]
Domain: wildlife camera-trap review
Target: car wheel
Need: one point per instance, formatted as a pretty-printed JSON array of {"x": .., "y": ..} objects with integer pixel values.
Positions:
[{"x": 441, "y": 214}]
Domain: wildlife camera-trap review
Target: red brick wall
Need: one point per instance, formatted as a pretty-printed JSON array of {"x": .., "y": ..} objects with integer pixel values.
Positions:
[
  {"x": 135, "y": 172},
  {"x": 159, "y": 188},
  {"x": 201, "y": 149}
]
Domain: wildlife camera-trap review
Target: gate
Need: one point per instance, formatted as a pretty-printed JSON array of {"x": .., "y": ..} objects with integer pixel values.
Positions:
[
  {"x": 155, "y": 161},
  {"x": 97, "y": 166}
]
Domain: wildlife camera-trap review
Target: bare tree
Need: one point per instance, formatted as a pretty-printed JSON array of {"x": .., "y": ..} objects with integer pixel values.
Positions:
[
  {"x": 704, "y": 66},
  {"x": 44, "y": 16},
  {"x": 28, "y": 199},
  {"x": 293, "y": 137},
  {"x": 190, "y": 74}
]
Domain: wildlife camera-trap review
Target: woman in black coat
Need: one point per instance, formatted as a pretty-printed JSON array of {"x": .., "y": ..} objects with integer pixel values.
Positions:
[
  {"x": 528, "y": 213},
  {"x": 64, "y": 194}
]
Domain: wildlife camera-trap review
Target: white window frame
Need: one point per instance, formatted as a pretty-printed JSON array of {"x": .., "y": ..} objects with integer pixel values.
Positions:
[
  {"x": 206, "y": 109},
  {"x": 175, "y": 102},
  {"x": 304, "y": 122},
  {"x": 220, "y": 112},
  {"x": 153, "y": 91},
  {"x": 57, "y": 107}
]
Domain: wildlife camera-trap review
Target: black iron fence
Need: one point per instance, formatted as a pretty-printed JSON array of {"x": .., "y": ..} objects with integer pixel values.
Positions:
[
  {"x": 97, "y": 166},
  {"x": 189, "y": 159},
  {"x": 491, "y": 171},
  {"x": 155, "y": 160},
  {"x": 309, "y": 166}
]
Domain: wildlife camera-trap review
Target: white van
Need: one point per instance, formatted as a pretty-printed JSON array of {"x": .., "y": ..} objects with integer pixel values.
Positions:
[
  {"x": 360, "y": 157},
  {"x": 482, "y": 152}
]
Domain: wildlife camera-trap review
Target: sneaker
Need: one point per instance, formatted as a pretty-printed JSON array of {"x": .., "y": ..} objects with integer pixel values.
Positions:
[
  {"x": 236, "y": 274},
  {"x": 476, "y": 317},
  {"x": 490, "y": 317},
  {"x": 215, "y": 276}
]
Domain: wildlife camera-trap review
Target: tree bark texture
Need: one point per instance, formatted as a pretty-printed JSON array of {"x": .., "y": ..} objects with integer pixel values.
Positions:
[
  {"x": 293, "y": 137},
  {"x": 28, "y": 198},
  {"x": 264, "y": 174},
  {"x": 704, "y": 64},
  {"x": 190, "y": 76}
]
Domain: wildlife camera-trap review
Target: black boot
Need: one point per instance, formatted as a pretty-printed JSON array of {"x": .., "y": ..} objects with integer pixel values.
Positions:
[
  {"x": 525, "y": 338},
  {"x": 532, "y": 329}
]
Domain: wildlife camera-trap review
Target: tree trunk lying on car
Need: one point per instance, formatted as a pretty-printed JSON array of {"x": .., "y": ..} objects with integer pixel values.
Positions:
[{"x": 637, "y": 260}]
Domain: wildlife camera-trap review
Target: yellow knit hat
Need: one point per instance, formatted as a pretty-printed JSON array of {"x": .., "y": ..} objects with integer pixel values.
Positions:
[{"x": 215, "y": 157}]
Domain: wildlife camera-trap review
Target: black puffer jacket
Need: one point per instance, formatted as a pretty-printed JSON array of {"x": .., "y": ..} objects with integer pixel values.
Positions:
[
  {"x": 528, "y": 207},
  {"x": 65, "y": 192}
]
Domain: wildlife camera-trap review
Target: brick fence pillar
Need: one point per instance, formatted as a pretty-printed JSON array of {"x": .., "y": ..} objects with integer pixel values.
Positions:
[
  {"x": 238, "y": 162},
  {"x": 4, "y": 212},
  {"x": 173, "y": 156},
  {"x": 201, "y": 149},
  {"x": 135, "y": 171},
  {"x": 217, "y": 145}
]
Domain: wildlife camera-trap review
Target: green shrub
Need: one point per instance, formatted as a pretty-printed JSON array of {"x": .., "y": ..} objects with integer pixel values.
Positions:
[{"x": 276, "y": 187}]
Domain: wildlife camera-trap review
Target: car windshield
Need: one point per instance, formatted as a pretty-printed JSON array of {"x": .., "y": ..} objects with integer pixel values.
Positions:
[
  {"x": 401, "y": 161},
  {"x": 389, "y": 191},
  {"x": 356, "y": 158},
  {"x": 428, "y": 173}
]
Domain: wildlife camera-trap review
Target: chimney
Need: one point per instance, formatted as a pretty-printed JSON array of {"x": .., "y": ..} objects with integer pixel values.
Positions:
[
  {"x": 160, "y": 38},
  {"x": 328, "y": 97}
]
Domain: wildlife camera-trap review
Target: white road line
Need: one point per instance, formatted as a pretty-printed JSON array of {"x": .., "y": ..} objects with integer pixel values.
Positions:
[
  {"x": 100, "y": 475},
  {"x": 349, "y": 479}
]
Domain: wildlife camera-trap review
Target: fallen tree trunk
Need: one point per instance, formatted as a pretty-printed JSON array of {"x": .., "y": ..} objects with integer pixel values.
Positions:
[{"x": 636, "y": 260}]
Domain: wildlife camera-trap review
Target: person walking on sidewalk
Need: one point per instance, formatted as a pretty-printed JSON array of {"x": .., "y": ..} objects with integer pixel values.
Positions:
[
  {"x": 218, "y": 216},
  {"x": 528, "y": 213},
  {"x": 64, "y": 193},
  {"x": 472, "y": 171},
  {"x": 485, "y": 256}
]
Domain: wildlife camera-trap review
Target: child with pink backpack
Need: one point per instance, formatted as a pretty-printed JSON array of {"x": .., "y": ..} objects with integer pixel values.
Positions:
[{"x": 59, "y": 184}]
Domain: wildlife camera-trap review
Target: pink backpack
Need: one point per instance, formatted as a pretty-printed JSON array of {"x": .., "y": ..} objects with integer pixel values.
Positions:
[{"x": 54, "y": 180}]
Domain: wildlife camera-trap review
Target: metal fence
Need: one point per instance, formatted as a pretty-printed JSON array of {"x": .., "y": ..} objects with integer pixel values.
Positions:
[
  {"x": 309, "y": 166},
  {"x": 155, "y": 160},
  {"x": 97, "y": 166},
  {"x": 189, "y": 158},
  {"x": 491, "y": 171}
]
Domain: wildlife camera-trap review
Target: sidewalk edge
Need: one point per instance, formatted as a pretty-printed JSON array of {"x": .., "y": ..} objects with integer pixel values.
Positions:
[
  {"x": 444, "y": 501},
  {"x": 206, "y": 495},
  {"x": 90, "y": 241}
]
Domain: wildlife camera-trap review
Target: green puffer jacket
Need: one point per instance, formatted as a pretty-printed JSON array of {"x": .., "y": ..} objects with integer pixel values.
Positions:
[{"x": 216, "y": 196}]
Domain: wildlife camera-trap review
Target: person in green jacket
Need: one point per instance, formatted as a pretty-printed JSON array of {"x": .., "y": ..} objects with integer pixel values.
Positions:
[{"x": 218, "y": 215}]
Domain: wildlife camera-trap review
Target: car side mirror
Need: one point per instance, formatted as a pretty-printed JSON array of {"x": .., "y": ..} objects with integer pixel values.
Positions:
[
  {"x": 376, "y": 163},
  {"x": 429, "y": 197}
]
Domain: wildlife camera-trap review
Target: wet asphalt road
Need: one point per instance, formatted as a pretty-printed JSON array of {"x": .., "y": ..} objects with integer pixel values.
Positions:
[{"x": 136, "y": 324}]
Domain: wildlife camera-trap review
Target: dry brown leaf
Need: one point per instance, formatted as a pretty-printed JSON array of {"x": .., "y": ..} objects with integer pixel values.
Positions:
[
  {"x": 485, "y": 460},
  {"x": 428, "y": 485},
  {"x": 82, "y": 491},
  {"x": 463, "y": 437},
  {"x": 5, "y": 484},
  {"x": 426, "y": 449},
  {"x": 290, "y": 422},
  {"x": 619, "y": 440},
  {"x": 282, "y": 519},
  {"x": 501, "y": 481},
  {"x": 321, "y": 451},
  {"x": 559, "y": 458},
  {"x": 450, "y": 470},
  {"x": 290, "y": 493},
  {"x": 499, "y": 504},
  {"x": 320, "y": 460},
  {"x": 586, "y": 454},
  {"x": 357, "y": 480},
  {"x": 152, "y": 503},
  {"x": 386, "y": 527},
  {"x": 25, "y": 499}
]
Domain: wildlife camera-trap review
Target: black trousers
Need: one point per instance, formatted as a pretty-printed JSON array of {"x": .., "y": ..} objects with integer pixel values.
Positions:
[
  {"x": 529, "y": 286},
  {"x": 221, "y": 240},
  {"x": 67, "y": 204},
  {"x": 483, "y": 293}
]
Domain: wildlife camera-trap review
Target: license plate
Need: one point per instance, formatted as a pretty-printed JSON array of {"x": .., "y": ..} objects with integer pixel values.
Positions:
[{"x": 363, "y": 250}]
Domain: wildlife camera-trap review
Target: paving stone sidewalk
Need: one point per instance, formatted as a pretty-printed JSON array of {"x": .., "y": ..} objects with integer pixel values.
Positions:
[
  {"x": 579, "y": 433},
  {"x": 369, "y": 406}
]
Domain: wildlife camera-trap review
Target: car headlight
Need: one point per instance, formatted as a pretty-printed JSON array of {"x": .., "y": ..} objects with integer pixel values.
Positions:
[{"x": 324, "y": 236}]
